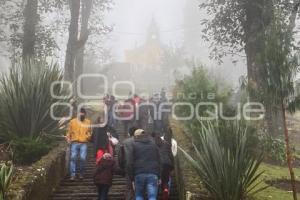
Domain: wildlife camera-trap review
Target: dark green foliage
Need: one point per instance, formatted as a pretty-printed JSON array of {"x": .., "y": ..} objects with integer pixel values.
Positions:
[
  {"x": 27, "y": 151},
  {"x": 225, "y": 161},
  {"x": 229, "y": 23},
  {"x": 6, "y": 173},
  {"x": 281, "y": 65},
  {"x": 230, "y": 131},
  {"x": 25, "y": 100},
  {"x": 274, "y": 149},
  {"x": 200, "y": 87}
]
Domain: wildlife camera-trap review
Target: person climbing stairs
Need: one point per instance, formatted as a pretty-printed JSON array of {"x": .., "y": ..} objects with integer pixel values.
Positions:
[{"x": 86, "y": 190}]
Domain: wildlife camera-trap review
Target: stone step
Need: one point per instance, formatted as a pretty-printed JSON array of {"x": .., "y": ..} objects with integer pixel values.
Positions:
[
  {"x": 92, "y": 195},
  {"x": 86, "y": 190}
]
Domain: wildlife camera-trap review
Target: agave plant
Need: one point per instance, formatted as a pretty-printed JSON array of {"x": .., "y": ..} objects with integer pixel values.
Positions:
[
  {"x": 6, "y": 173},
  {"x": 25, "y": 100},
  {"x": 225, "y": 162}
]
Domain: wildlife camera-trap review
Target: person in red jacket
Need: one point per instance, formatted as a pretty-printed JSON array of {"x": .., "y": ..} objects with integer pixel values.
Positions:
[{"x": 103, "y": 175}]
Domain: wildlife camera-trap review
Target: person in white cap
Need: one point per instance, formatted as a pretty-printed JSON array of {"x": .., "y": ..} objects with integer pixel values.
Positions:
[{"x": 144, "y": 166}]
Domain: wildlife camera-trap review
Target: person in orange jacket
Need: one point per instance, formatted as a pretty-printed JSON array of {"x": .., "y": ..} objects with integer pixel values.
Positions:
[{"x": 78, "y": 135}]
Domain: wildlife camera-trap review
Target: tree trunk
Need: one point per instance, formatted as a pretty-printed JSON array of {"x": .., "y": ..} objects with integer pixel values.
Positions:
[
  {"x": 289, "y": 156},
  {"x": 30, "y": 22},
  {"x": 79, "y": 70},
  {"x": 259, "y": 15},
  {"x": 288, "y": 153},
  {"x": 274, "y": 120},
  {"x": 72, "y": 42},
  {"x": 84, "y": 32}
]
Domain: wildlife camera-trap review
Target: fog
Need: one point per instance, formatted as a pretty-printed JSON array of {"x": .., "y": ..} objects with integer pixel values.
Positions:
[
  {"x": 179, "y": 25},
  {"x": 132, "y": 18},
  {"x": 142, "y": 28}
]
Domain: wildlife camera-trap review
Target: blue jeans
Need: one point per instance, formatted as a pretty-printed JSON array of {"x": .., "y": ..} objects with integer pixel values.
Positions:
[
  {"x": 148, "y": 182},
  {"x": 76, "y": 148}
]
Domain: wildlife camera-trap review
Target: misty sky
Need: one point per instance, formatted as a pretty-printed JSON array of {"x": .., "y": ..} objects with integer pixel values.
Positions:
[{"x": 131, "y": 19}]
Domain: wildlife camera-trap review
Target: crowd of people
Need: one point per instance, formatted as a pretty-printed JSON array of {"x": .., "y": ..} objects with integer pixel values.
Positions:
[
  {"x": 140, "y": 112},
  {"x": 145, "y": 157}
]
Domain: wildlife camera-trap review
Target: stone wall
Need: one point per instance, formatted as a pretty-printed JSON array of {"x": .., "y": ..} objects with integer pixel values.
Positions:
[
  {"x": 188, "y": 181},
  {"x": 39, "y": 180}
]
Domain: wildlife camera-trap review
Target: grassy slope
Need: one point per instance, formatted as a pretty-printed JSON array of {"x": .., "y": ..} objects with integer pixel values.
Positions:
[
  {"x": 272, "y": 173},
  {"x": 275, "y": 172}
]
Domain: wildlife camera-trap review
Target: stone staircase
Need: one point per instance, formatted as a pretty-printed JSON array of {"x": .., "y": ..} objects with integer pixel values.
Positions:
[{"x": 86, "y": 190}]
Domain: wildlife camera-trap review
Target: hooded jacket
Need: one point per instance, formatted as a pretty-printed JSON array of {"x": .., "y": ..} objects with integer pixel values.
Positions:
[
  {"x": 104, "y": 172},
  {"x": 144, "y": 157},
  {"x": 79, "y": 131}
]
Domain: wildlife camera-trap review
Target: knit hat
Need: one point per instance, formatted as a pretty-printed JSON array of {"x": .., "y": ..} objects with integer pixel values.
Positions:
[{"x": 139, "y": 132}]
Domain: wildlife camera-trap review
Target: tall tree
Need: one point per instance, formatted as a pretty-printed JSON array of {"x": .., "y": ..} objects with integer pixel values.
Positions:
[
  {"x": 22, "y": 34},
  {"x": 279, "y": 73},
  {"x": 30, "y": 23},
  {"x": 240, "y": 26},
  {"x": 258, "y": 15},
  {"x": 73, "y": 42},
  {"x": 89, "y": 14},
  {"x": 11, "y": 14},
  {"x": 260, "y": 28},
  {"x": 86, "y": 9}
]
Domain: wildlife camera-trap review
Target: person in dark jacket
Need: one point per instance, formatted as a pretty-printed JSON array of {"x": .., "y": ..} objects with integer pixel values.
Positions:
[
  {"x": 103, "y": 175},
  {"x": 154, "y": 112},
  {"x": 144, "y": 166},
  {"x": 100, "y": 140},
  {"x": 143, "y": 114},
  {"x": 167, "y": 162},
  {"x": 124, "y": 151}
]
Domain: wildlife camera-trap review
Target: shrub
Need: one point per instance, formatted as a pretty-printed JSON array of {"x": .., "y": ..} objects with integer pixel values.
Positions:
[
  {"x": 274, "y": 148},
  {"x": 27, "y": 151},
  {"x": 6, "y": 173},
  {"x": 25, "y": 100},
  {"x": 199, "y": 87},
  {"x": 225, "y": 162}
]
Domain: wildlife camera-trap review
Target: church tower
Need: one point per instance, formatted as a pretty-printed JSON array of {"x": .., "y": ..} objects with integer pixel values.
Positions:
[{"x": 148, "y": 55}]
